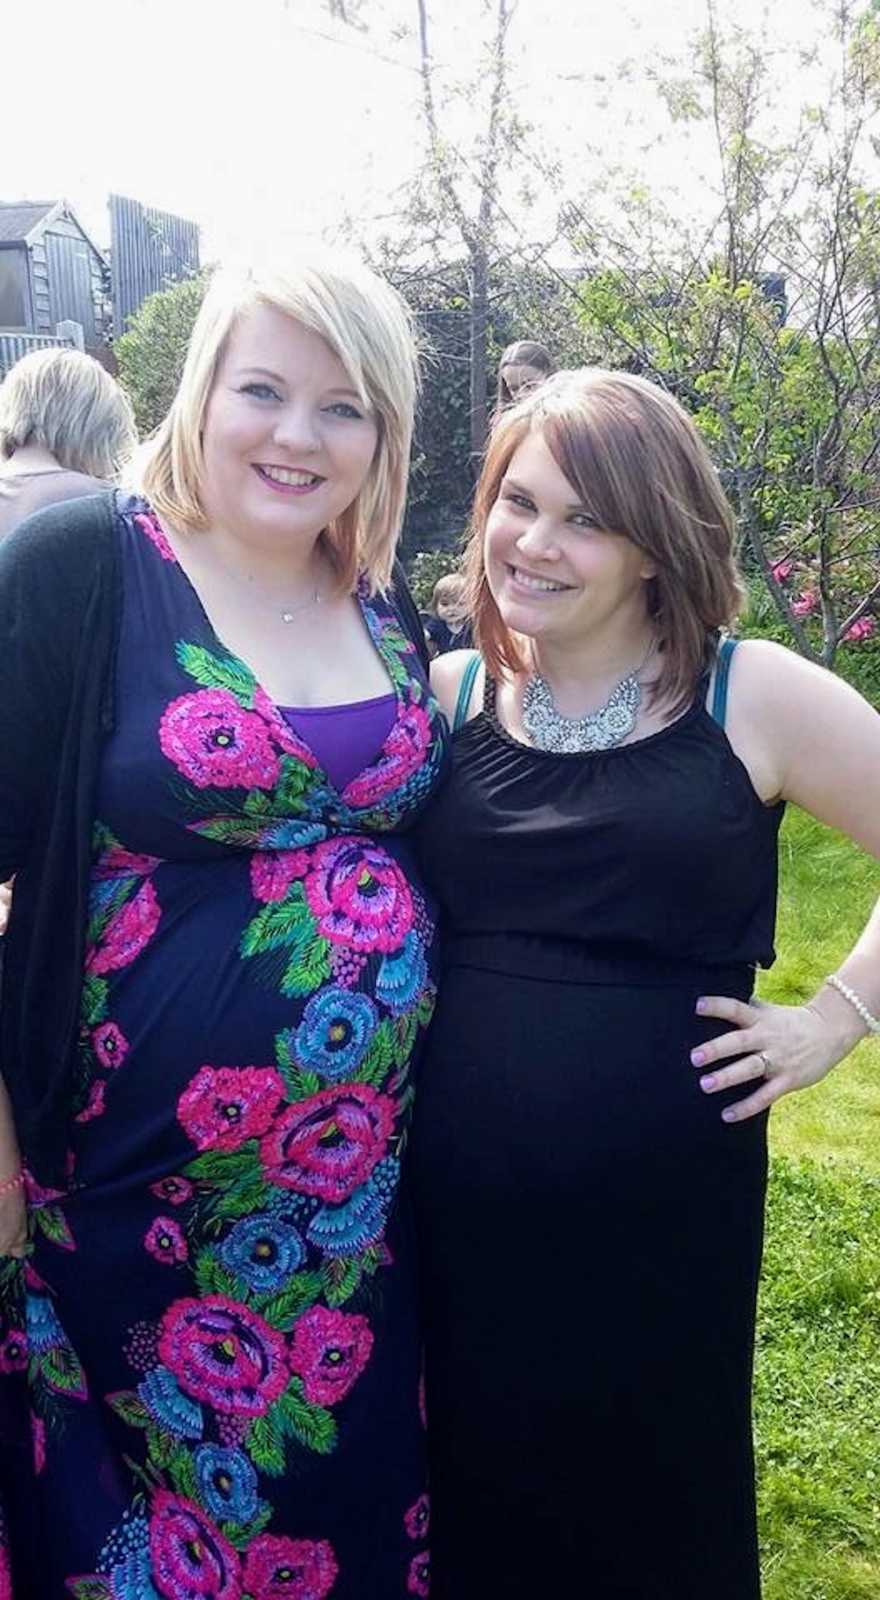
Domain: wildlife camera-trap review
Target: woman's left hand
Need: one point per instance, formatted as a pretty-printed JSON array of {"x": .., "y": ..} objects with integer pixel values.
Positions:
[{"x": 782, "y": 1047}]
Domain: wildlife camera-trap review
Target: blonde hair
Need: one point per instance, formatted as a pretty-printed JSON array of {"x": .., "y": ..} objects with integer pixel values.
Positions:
[
  {"x": 367, "y": 325},
  {"x": 448, "y": 590},
  {"x": 65, "y": 402},
  {"x": 640, "y": 467}
]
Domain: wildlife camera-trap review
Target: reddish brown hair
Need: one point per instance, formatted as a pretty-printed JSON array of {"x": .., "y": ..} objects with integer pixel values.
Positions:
[{"x": 640, "y": 467}]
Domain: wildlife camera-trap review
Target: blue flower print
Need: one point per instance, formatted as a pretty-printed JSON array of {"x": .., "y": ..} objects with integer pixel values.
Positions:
[
  {"x": 263, "y": 1251},
  {"x": 169, "y": 1406},
  {"x": 44, "y": 1331},
  {"x": 348, "y": 1229},
  {"x": 126, "y": 1558},
  {"x": 227, "y": 1483},
  {"x": 335, "y": 1033},
  {"x": 402, "y": 974},
  {"x": 291, "y": 834}
]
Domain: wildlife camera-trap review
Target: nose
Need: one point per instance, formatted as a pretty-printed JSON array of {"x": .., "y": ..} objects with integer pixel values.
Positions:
[
  {"x": 538, "y": 540},
  {"x": 296, "y": 429}
]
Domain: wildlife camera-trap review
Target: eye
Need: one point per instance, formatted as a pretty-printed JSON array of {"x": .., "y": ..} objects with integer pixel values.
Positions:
[
  {"x": 344, "y": 408},
  {"x": 260, "y": 391},
  {"x": 583, "y": 519},
  {"x": 521, "y": 501}
]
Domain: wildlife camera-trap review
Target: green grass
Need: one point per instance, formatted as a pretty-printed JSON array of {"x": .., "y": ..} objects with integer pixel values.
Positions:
[{"x": 817, "y": 1387}]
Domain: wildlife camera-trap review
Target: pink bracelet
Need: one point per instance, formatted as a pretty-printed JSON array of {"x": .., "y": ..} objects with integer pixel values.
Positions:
[{"x": 13, "y": 1183}]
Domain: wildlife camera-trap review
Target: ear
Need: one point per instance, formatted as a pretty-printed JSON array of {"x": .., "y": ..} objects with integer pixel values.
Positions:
[{"x": 648, "y": 569}]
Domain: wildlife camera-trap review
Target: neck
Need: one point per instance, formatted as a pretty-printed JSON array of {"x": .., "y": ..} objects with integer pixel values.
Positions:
[
  {"x": 32, "y": 458},
  {"x": 582, "y": 672},
  {"x": 287, "y": 568}
]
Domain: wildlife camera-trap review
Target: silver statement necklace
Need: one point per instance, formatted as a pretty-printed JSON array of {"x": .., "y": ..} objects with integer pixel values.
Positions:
[{"x": 548, "y": 729}]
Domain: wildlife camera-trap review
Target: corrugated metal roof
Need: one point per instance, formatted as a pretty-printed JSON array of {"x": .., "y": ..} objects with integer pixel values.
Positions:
[{"x": 18, "y": 218}]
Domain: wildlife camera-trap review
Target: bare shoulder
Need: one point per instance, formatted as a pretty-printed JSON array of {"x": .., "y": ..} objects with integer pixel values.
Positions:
[
  {"x": 447, "y": 672},
  {"x": 770, "y": 682}
]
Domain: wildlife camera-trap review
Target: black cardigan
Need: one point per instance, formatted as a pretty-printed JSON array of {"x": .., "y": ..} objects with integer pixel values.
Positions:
[{"x": 60, "y": 611}]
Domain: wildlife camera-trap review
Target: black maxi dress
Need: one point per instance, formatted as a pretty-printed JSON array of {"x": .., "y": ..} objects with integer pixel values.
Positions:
[{"x": 591, "y": 1230}]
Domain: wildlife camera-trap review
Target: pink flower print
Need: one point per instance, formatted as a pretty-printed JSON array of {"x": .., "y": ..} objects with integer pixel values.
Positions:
[
  {"x": 862, "y": 629},
  {"x": 805, "y": 602},
  {"x": 222, "y": 1106},
  {"x": 418, "y": 1579},
  {"x": 110, "y": 1045},
  {"x": 5, "y": 1574},
  {"x": 189, "y": 1557},
  {"x": 224, "y": 1354},
  {"x": 174, "y": 1189},
  {"x": 94, "y": 1106},
  {"x": 149, "y": 524},
  {"x": 359, "y": 895},
  {"x": 781, "y": 571},
  {"x": 283, "y": 734},
  {"x": 289, "y": 1569},
  {"x": 418, "y": 1518},
  {"x": 329, "y": 1351},
  {"x": 38, "y": 1442},
  {"x": 216, "y": 743},
  {"x": 165, "y": 1240},
  {"x": 128, "y": 931},
  {"x": 14, "y": 1351},
  {"x": 403, "y": 753},
  {"x": 329, "y": 1144},
  {"x": 272, "y": 872},
  {"x": 117, "y": 862}
]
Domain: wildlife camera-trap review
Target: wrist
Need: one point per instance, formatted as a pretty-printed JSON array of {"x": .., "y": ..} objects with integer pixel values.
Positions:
[{"x": 840, "y": 1016}]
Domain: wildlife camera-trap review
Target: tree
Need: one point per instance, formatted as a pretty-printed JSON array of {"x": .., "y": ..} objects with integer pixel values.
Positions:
[{"x": 151, "y": 354}]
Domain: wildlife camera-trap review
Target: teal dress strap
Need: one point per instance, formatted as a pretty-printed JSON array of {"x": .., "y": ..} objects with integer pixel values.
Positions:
[
  {"x": 722, "y": 673},
  {"x": 465, "y": 690}
]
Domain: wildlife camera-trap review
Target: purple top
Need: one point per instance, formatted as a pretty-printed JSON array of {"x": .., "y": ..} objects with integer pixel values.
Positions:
[{"x": 346, "y": 738}]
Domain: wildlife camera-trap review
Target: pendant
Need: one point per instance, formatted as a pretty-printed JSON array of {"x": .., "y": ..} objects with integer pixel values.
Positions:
[{"x": 287, "y": 616}]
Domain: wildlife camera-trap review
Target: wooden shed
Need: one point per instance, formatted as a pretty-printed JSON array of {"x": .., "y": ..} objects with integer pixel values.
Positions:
[{"x": 50, "y": 273}]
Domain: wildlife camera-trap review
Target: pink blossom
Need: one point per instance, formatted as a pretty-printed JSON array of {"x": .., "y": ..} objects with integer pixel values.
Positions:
[
  {"x": 272, "y": 872},
  {"x": 781, "y": 570},
  {"x": 283, "y": 734},
  {"x": 94, "y": 1106},
  {"x": 403, "y": 753},
  {"x": 174, "y": 1189},
  {"x": 14, "y": 1351},
  {"x": 223, "y": 1353},
  {"x": 221, "y": 1107},
  {"x": 329, "y": 1144},
  {"x": 38, "y": 1441},
  {"x": 127, "y": 932},
  {"x": 216, "y": 743},
  {"x": 805, "y": 602},
  {"x": 149, "y": 524},
  {"x": 418, "y": 1518},
  {"x": 862, "y": 629},
  {"x": 289, "y": 1569},
  {"x": 190, "y": 1559},
  {"x": 359, "y": 895},
  {"x": 418, "y": 1579},
  {"x": 110, "y": 1045},
  {"x": 329, "y": 1351},
  {"x": 5, "y": 1574},
  {"x": 166, "y": 1241},
  {"x": 117, "y": 862}
]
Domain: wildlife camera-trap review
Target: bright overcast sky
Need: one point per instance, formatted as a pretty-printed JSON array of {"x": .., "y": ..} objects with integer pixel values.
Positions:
[{"x": 266, "y": 121}]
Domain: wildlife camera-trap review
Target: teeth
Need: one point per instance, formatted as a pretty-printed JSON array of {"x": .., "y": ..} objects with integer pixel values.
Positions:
[
  {"x": 538, "y": 583},
  {"x": 285, "y": 475}
]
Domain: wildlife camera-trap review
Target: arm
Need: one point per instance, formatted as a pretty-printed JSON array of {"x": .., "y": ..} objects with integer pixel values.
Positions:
[
  {"x": 13, "y": 1213},
  {"x": 807, "y": 737}
]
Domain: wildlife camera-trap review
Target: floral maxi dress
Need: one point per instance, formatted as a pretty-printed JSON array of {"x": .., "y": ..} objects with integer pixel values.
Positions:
[{"x": 214, "y": 1347}]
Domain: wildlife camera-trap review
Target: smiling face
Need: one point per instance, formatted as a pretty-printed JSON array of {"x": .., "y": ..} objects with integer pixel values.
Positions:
[
  {"x": 554, "y": 574},
  {"x": 287, "y": 441},
  {"x": 522, "y": 377}
]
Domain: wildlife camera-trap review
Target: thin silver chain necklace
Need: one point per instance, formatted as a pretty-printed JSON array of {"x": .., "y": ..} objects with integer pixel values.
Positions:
[
  {"x": 283, "y": 612},
  {"x": 604, "y": 729}
]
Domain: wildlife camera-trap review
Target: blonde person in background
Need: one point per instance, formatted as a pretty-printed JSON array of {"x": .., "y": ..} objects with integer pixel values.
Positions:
[
  {"x": 66, "y": 428},
  {"x": 218, "y": 974},
  {"x": 524, "y": 365}
]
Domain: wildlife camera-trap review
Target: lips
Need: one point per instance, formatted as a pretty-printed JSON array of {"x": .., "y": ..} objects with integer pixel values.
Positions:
[
  {"x": 536, "y": 585},
  {"x": 288, "y": 480}
]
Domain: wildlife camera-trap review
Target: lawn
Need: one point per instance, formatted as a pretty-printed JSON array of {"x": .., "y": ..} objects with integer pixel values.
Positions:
[{"x": 817, "y": 1388}]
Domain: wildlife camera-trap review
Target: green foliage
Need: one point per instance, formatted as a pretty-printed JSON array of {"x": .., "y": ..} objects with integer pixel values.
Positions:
[
  {"x": 150, "y": 355},
  {"x": 426, "y": 568},
  {"x": 217, "y": 672}
]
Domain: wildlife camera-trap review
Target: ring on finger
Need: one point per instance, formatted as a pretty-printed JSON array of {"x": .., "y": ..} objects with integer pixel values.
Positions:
[{"x": 765, "y": 1061}]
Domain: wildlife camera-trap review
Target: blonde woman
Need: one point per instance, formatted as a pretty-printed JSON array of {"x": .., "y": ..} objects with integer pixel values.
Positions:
[
  {"x": 66, "y": 428},
  {"x": 218, "y": 974},
  {"x": 589, "y": 1154}
]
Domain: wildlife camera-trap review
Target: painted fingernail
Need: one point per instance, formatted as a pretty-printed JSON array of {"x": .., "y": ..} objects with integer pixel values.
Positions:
[
  {"x": 701, "y": 1005},
  {"x": 698, "y": 1057},
  {"x": 728, "y": 1114},
  {"x": 708, "y": 1082}
]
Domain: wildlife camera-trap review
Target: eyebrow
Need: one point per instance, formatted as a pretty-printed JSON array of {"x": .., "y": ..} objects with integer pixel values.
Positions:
[
  {"x": 276, "y": 377},
  {"x": 511, "y": 483}
]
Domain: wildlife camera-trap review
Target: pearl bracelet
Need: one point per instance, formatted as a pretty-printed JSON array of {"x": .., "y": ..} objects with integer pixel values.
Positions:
[
  {"x": 13, "y": 1183},
  {"x": 857, "y": 1003}
]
